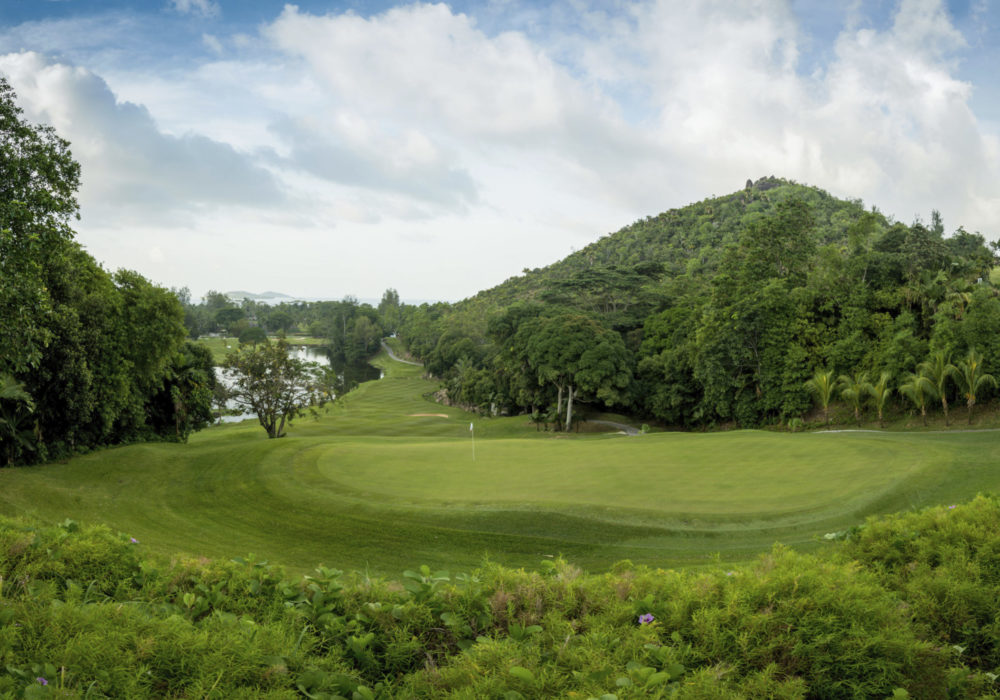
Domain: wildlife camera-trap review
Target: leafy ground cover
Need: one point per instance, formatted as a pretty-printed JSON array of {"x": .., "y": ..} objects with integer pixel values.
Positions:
[
  {"x": 901, "y": 607},
  {"x": 382, "y": 480}
]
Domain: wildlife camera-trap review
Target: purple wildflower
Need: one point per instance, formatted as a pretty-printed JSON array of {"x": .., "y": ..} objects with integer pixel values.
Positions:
[
  {"x": 951, "y": 507},
  {"x": 646, "y": 619},
  {"x": 42, "y": 680},
  {"x": 134, "y": 540}
]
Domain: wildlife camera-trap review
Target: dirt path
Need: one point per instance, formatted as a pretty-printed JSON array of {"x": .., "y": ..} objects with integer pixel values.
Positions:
[{"x": 386, "y": 347}]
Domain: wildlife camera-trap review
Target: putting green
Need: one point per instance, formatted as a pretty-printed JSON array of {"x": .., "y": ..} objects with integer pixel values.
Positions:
[
  {"x": 745, "y": 473},
  {"x": 373, "y": 486}
]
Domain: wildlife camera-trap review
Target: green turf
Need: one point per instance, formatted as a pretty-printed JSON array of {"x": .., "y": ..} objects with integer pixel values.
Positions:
[{"x": 371, "y": 485}]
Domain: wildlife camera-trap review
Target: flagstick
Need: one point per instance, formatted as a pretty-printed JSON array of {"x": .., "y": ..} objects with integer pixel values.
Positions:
[{"x": 473, "y": 433}]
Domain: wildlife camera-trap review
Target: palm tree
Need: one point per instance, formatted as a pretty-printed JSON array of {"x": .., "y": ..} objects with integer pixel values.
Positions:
[
  {"x": 972, "y": 378},
  {"x": 918, "y": 389},
  {"x": 854, "y": 390},
  {"x": 938, "y": 369},
  {"x": 880, "y": 391},
  {"x": 17, "y": 430},
  {"x": 822, "y": 386},
  {"x": 13, "y": 390}
]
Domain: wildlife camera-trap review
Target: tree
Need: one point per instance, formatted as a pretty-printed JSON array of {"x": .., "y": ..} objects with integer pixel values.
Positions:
[
  {"x": 229, "y": 317},
  {"x": 279, "y": 321},
  {"x": 854, "y": 390},
  {"x": 155, "y": 322},
  {"x": 880, "y": 391},
  {"x": 938, "y": 369},
  {"x": 576, "y": 353},
  {"x": 779, "y": 245},
  {"x": 388, "y": 310},
  {"x": 822, "y": 386},
  {"x": 252, "y": 336},
  {"x": 17, "y": 426},
  {"x": 93, "y": 350},
  {"x": 918, "y": 388},
  {"x": 973, "y": 379},
  {"x": 365, "y": 338},
  {"x": 184, "y": 404},
  {"x": 276, "y": 387},
  {"x": 38, "y": 184}
]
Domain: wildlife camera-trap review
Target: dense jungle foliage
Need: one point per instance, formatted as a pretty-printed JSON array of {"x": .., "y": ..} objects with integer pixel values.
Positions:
[
  {"x": 732, "y": 309},
  {"x": 903, "y": 606},
  {"x": 87, "y": 358}
]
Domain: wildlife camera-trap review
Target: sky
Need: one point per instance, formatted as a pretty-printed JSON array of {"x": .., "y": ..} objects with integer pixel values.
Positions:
[{"x": 324, "y": 149}]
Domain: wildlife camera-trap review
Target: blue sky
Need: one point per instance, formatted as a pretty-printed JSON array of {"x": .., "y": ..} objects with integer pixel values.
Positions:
[{"x": 324, "y": 149}]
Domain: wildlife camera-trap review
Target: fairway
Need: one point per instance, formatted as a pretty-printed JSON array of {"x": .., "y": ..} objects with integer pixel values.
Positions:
[{"x": 385, "y": 480}]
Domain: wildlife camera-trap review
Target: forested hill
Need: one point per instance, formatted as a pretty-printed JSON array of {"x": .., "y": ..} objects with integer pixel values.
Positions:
[
  {"x": 679, "y": 240},
  {"x": 720, "y": 311}
]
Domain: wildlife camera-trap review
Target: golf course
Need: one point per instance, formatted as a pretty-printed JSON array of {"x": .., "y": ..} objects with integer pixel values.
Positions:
[{"x": 385, "y": 479}]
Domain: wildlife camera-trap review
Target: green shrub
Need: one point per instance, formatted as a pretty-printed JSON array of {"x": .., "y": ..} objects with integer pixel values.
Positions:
[
  {"x": 905, "y": 607},
  {"x": 944, "y": 564}
]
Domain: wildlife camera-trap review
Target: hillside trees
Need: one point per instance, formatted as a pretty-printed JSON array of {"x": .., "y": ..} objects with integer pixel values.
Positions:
[
  {"x": 665, "y": 383},
  {"x": 919, "y": 389},
  {"x": 749, "y": 359},
  {"x": 880, "y": 391},
  {"x": 939, "y": 369},
  {"x": 575, "y": 354},
  {"x": 728, "y": 306},
  {"x": 822, "y": 386},
  {"x": 973, "y": 379}
]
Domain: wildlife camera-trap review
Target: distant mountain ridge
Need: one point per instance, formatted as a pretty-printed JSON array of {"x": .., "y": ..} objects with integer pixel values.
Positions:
[
  {"x": 239, "y": 295},
  {"x": 274, "y": 298}
]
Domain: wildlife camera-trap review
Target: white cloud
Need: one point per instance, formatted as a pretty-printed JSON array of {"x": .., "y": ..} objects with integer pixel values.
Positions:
[
  {"x": 431, "y": 63},
  {"x": 212, "y": 43},
  {"x": 131, "y": 168},
  {"x": 886, "y": 119},
  {"x": 346, "y": 151},
  {"x": 423, "y": 72},
  {"x": 413, "y": 138},
  {"x": 202, "y": 8}
]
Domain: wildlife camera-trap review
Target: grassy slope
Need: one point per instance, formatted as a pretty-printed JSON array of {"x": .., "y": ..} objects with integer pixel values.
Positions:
[{"x": 371, "y": 486}]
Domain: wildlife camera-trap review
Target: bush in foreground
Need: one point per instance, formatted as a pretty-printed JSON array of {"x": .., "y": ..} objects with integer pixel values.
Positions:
[{"x": 903, "y": 608}]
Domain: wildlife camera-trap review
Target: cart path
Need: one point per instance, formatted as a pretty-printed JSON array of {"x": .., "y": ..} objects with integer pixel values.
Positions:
[{"x": 386, "y": 347}]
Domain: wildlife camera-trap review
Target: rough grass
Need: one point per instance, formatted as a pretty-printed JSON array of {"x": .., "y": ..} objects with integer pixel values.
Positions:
[{"x": 371, "y": 486}]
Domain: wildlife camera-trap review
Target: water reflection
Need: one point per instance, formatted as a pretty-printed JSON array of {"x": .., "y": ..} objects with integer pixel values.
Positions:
[{"x": 342, "y": 376}]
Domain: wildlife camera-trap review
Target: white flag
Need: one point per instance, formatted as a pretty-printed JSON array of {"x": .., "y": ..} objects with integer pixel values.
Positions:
[{"x": 470, "y": 426}]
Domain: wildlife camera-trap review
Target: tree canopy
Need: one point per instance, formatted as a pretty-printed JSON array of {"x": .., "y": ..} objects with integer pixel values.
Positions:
[
  {"x": 727, "y": 308},
  {"x": 92, "y": 349},
  {"x": 273, "y": 385}
]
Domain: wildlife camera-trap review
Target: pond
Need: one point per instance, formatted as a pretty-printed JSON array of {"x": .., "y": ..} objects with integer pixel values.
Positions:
[{"x": 348, "y": 375}]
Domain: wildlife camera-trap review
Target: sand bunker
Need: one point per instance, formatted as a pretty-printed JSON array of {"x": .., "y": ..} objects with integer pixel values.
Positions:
[{"x": 432, "y": 415}]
